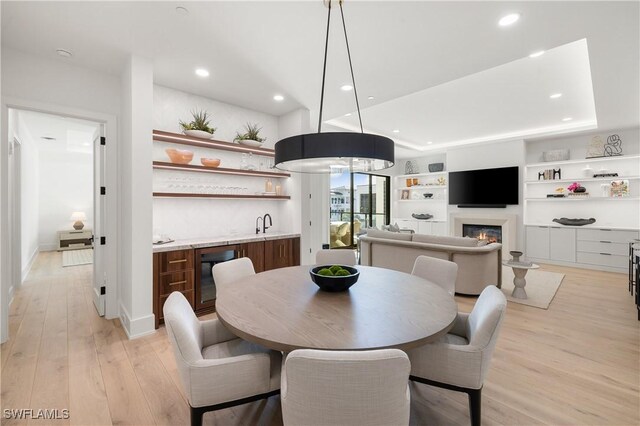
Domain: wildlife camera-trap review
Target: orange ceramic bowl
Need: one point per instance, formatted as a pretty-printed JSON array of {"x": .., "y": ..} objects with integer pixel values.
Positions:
[
  {"x": 179, "y": 156},
  {"x": 210, "y": 162}
]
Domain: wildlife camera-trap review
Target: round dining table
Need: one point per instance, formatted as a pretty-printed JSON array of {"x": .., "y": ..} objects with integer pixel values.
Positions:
[{"x": 282, "y": 309}]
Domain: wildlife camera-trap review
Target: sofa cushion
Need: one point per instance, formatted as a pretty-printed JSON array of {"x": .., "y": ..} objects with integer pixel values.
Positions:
[
  {"x": 375, "y": 233},
  {"x": 447, "y": 241}
]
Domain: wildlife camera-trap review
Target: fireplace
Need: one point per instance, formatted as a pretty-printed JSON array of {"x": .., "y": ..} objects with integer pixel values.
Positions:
[
  {"x": 488, "y": 233},
  {"x": 507, "y": 223}
]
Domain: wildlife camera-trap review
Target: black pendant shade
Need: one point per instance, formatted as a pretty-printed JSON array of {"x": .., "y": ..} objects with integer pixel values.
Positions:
[{"x": 334, "y": 152}]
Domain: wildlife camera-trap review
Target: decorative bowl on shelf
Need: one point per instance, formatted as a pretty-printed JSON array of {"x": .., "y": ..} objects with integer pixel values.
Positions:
[
  {"x": 210, "y": 162},
  {"x": 436, "y": 167},
  {"x": 250, "y": 142},
  {"x": 334, "y": 283},
  {"x": 422, "y": 216},
  {"x": 575, "y": 221},
  {"x": 199, "y": 134},
  {"x": 179, "y": 156}
]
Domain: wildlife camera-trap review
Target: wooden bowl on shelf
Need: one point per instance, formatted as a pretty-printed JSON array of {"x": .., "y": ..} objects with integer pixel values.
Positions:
[
  {"x": 210, "y": 162},
  {"x": 179, "y": 156}
]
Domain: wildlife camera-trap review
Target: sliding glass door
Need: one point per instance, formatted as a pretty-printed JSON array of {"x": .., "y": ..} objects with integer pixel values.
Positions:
[{"x": 357, "y": 200}]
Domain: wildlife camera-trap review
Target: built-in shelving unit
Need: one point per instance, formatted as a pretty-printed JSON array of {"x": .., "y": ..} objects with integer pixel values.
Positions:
[
  {"x": 598, "y": 179},
  {"x": 437, "y": 205},
  {"x": 245, "y": 194},
  {"x": 559, "y": 199}
]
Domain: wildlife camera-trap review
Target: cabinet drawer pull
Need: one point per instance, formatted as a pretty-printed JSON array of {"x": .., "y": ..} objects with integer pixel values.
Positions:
[
  {"x": 606, "y": 242},
  {"x": 178, "y": 282},
  {"x": 606, "y": 254},
  {"x": 171, "y": 262}
]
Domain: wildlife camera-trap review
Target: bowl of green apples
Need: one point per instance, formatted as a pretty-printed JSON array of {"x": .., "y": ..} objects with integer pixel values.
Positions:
[{"x": 334, "y": 278}]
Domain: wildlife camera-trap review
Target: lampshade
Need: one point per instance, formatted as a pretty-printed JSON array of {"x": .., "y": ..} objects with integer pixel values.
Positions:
[
  {"x": 333, "y": 152},
  {"x": 78, "y": 216}
]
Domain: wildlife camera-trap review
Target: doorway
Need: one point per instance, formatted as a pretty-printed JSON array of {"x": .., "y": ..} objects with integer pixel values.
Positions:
[
  {"x": 56, "y": 175},
  {"x": 357, "y": 201}
]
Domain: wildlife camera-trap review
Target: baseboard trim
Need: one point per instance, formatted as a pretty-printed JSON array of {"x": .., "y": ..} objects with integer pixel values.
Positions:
[
  {"x": 32, "y": 259},
  {"x": 48, "y": 247},
  {"x": 136, "y": 327}
]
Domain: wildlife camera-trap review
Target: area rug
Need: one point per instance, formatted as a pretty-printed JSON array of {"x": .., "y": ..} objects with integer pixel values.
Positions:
[
  {"x": 541, "y": 287},
  {"x": 77, "y": 257}
]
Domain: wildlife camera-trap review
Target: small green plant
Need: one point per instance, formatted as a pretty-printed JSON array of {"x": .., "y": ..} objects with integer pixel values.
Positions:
[
  {"x": 200, "y": 122},
  {"x": 252, "y": 132}
]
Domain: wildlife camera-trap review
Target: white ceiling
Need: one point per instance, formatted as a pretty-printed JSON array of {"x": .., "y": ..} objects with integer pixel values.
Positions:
[
  {"x": 71, "y": 134},
  {"x": 256, "y": 49}
]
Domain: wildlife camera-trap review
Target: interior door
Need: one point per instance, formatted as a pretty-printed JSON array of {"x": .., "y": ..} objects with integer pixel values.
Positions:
[{"x": 99, "y": 275}]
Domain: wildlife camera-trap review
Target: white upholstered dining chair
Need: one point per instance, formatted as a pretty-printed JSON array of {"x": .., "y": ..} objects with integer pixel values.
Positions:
[
  {"x": 345, "y": 388},
  {"x": 232, "y": 270},
  {"x": 438, "y": 271},
  {"x": 336, "y": 257},
  {"x": 217, "y": 369},
  {"x": 460, "y": 360}
]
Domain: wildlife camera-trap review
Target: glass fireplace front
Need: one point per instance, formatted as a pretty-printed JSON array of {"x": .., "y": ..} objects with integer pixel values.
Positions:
[{"x": 488, "y": 233}]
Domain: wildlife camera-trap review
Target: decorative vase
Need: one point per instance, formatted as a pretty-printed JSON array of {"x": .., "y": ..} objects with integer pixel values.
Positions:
[
  {"x": 587, "y": 171},
  {"x": 409, "y": 168},
  {"x": 516, "y": 256}
]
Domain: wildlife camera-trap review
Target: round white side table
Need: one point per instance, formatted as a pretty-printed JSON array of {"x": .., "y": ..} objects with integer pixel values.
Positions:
[{"x": 520, "y": 271}]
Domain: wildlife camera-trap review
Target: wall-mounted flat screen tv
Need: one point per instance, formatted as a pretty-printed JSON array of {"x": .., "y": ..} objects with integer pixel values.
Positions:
[{"x": 484, "y": 187}]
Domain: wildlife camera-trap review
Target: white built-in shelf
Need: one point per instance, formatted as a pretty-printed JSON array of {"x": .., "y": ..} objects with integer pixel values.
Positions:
[
  {"x": 419, "y": 220},
  {"x": 223, "y": 196},
  {"x": 554, "y": 199},
  {"x": 418, "y": 187},
  {"x": 421, "y": 200},
  {"x": 585, "y": 160},
  {"x": 590, "y": 226},
  {"x": 584, "y": 179},
  {"x": 417, "y": 175}
]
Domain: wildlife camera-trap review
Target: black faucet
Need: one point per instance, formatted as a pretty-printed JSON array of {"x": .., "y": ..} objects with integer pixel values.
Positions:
[
  {"x": 264, "y": 223},
  {"x": 258, "y": 225}
]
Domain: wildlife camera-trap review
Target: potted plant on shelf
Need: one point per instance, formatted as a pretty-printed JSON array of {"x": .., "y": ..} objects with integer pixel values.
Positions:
[
  {"x": 251, "y": 136},
  {"x": 199, "y": 126}
]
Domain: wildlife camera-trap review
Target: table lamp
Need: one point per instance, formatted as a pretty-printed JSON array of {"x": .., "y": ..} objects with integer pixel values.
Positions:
[{"x": 78, "y": 217}]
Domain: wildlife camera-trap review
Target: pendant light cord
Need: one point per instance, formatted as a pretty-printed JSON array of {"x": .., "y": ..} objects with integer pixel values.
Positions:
[
  {"x": 324, "y": 68},
  {"x": 353, "y": 78}
]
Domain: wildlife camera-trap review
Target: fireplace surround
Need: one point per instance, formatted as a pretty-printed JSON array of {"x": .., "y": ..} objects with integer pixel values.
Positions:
[{"x": 508, "y": 223}]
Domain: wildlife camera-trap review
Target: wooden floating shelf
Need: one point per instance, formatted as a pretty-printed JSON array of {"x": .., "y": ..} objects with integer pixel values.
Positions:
[
  {"x": 177, "y": 138},
  {"x": 222, "y": 196},
  {"x": 220, "y": 170}
]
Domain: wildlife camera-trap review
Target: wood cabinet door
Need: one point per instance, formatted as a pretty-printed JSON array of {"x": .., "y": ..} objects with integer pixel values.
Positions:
[
  {"x": 276, "y": 254},
  {"x": 255, "y": 252}
]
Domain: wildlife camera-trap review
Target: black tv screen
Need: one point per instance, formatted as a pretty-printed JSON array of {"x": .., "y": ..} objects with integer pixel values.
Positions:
[{"x": 484, "y": 187}]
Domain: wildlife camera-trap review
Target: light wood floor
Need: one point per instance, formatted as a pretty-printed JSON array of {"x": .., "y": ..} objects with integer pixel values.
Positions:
[{"x": 575, "y": 364}]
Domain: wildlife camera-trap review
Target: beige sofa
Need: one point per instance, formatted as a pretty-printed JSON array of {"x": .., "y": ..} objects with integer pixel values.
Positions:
[{"x": 478, "y": 265}]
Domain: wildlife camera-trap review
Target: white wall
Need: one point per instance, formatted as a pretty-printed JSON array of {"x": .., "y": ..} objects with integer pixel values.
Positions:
[
  {"x": 66, "y": 186},
  {"x": 492, "y": 155},
  {"x": 29, "y": 196},
  {"x": 136, "y": 272},
  {"x": 193, "y": 218}
]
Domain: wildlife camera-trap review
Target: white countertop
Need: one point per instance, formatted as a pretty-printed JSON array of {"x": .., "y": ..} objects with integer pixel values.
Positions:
[{"x": 221, "y": 240}]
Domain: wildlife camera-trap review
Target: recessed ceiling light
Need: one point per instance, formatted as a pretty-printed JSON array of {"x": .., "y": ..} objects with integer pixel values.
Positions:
[
  {"x": 510, "y": 19},
  {"x": 64, "y": 53},
  {"x": 536, "y": 54},
  {"x": 182, "y": 10},
  {"x": 429, "y": 143},
  {"x": 278, "y": 98},
  {"x": 370, "y": 98},
  {"x": 201, "y": 72},
  {"x": 348, "y": 114},
  {"x": 567, "y": 119},
  {"x": 346, "y": 87},
  {"x": 555, "y": 95},
  {"x": 396, "y": 131},
  {"x": 86, "y": 144}
]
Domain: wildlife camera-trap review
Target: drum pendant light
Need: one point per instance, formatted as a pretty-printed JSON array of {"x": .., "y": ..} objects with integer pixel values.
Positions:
[{"x": 333, "y": 152}]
